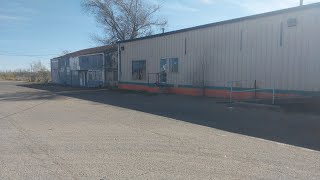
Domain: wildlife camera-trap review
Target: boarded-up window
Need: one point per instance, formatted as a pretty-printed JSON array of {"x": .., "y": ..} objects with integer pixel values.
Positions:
[
  {"x": 68, "y": 71},
  {"x": 91, "y": 62},
  {"x": 91, "y": 76},
  {"x": 55, "y": 64},
  {"x": 99, "y": 75},
  {"x": 139, "y": 70},
  {"x": 95, "y": 76}
]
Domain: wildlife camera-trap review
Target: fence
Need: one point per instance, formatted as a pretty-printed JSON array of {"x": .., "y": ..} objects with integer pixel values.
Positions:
[
  {"x": 255, "y": 90},
  {"x": 153, "y": 78}
]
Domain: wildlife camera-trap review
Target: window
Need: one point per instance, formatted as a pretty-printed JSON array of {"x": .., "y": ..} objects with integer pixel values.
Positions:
[
  {"x": 170, "y": 65},
  {"x": 292, "y": 22},
  {"x": 174, "y": 65},
  {"x": 139, "y": 70},
  {"x": 91, "y": 62},
  {"x": 99, "y": 75},
  {"x": 163, "y": 70},
  {"x": 90, "y": 74},
  {"x": 68, "y": 71},
  {"x": 94, "y": 75}
]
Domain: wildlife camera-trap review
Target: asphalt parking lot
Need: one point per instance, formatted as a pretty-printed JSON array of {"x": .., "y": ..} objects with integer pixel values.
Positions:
[{"x": 102, "y": 134}]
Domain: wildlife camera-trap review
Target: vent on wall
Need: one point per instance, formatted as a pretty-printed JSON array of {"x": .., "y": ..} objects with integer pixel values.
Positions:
[{"x": 292, "y": 22}]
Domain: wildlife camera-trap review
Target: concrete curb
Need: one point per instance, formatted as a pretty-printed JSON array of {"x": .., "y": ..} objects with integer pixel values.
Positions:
[{"x": 79, "y": 91}]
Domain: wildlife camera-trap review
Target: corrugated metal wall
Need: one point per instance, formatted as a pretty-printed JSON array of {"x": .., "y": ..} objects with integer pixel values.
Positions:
[
  {"x": 111, "y": 68},
  {"x": 263, "y": 49},
  {"x": 64, "y": 71},
  {"x": 91, "y": 62},
  {"x": 55, "y": 71},
  {"x": 67, "y": 70}
]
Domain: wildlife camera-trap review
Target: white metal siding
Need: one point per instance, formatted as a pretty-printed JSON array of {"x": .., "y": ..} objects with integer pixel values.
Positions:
[{"x": 214, "y": 55}]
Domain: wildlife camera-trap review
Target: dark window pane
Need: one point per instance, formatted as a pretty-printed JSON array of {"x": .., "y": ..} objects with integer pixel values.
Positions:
[
  {"x": 163, "y": 70},
  {"x": 174, "y": 65},
  {"x": 139, "y": 70}
]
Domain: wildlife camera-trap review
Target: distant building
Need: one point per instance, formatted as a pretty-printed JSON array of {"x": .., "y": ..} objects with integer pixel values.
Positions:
[{"x": 95, "y": 67}]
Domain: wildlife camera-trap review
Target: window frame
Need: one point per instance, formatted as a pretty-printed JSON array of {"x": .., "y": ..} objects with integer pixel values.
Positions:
[
  {"x": 171, "y": 60},
  {"x": 144, "y": 77},
  {"x": 169, "y": 65}
]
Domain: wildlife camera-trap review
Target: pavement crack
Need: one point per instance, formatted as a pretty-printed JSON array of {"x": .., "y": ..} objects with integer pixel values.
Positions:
[{"x": 24, "y": 110}]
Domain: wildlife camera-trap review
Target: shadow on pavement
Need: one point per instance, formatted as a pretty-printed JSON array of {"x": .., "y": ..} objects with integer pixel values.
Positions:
[
  {"x": 298, "y": 129},
  {"x": 27, "y": 96}
]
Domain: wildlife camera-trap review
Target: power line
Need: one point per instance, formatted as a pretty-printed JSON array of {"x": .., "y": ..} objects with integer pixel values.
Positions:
[{"x": 27, "y": 55}]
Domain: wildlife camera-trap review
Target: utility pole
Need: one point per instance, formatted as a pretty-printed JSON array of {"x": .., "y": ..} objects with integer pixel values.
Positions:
[{"x": 301, "y": 2}]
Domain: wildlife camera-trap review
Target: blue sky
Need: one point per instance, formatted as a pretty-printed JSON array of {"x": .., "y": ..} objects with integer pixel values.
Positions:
[{"x": 32, "y": 30}]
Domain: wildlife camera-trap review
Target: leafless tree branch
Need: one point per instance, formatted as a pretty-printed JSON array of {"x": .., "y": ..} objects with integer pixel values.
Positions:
[{"x": 124, "y": 19}]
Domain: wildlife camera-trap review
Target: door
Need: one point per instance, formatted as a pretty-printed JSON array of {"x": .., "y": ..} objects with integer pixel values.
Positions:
[
  {"x": 83, "y": 78},
  {"x": 163, "y": 70},
  {"x": 111, "y": 69}
]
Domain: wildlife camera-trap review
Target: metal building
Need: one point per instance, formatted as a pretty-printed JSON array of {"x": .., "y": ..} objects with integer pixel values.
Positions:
[
  {"x": 277, "y": 50},
  {"x": 95, "y": 67}
]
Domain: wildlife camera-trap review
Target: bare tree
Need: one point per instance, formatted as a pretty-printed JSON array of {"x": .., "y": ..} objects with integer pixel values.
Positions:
[
  {"x": 65, "y": 52},
  {"x": 39, "y": 72},
  {"x": 37, "y": 66},
  {"x": 124, "y": 19}
]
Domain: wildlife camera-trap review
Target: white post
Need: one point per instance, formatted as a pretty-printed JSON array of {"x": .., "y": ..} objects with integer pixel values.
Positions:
[
  {"x": 231, "y": 89},
  {"x": 301, "y": 2},
  {"x": 119, "y": 73},
  {"x": 273, "y": 96},
  {"x": 104, "y": 70}
]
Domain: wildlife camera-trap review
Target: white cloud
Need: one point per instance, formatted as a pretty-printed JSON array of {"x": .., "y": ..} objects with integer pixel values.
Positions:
[
  {"x": 176, "y": 6},
  {"x": 206, "y": 1},
  {"x": 4, "y": 17},
  {"x": 14, "y": 11},
  {"x": 260, "y": 6},
  {"x": 16, "y": 7},
  {"x": 311, "y": 1}
]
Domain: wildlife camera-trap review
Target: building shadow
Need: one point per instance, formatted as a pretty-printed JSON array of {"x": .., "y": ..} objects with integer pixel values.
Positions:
[
  {"x": 27, "y": 96},
  {"x": 298, "y": 128}
]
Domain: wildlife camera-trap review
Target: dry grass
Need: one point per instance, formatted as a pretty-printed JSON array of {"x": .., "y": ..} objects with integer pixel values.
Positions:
[{"x": 41, "y": 76}]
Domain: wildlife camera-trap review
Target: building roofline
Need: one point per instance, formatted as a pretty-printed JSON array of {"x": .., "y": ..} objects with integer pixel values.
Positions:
[
  {"x": 272, "y": 13},
  {"x": 88, "y": 51}
]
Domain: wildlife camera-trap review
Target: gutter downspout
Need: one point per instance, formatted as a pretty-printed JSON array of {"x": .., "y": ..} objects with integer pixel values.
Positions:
[
  {"x": 104, "y": 70},
  {"x": 51, "y": 70},
  {"x": 119, "y": 64}
]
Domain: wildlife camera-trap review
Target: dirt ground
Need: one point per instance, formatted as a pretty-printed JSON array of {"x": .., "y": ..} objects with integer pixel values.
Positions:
[{"x": 50, "y": 132}]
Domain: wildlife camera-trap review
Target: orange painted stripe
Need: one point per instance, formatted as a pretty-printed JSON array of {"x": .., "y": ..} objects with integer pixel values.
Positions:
[
  {"x": 185, "y": 91},
  {"x": 206, "y": 92},
  {"x": 138, "y": 88}
]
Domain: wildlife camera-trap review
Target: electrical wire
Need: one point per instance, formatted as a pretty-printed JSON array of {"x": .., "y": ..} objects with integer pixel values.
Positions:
[
  {"x": 28, "y": 55},
  {"x": 6, "y": 53}
]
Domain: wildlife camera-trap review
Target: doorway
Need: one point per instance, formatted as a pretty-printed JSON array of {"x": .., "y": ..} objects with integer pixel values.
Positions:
[
  {"x": 83, "y": 78},
  {"x": 163, "y": 70}
]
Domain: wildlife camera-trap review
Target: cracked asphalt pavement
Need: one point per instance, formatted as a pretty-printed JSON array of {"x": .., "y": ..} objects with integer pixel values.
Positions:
[{"x": 116, "y": 135}]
